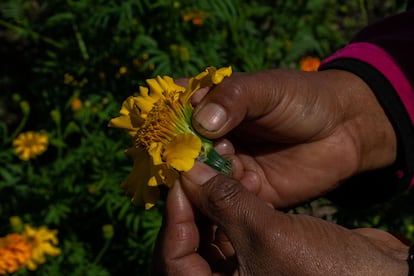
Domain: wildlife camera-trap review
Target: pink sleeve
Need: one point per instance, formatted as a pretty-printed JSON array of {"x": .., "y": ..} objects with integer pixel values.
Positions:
[{"x": 385, "y": 64}]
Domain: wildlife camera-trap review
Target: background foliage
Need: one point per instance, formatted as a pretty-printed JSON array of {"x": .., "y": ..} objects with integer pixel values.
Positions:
[{"x": 75, "y": 61}]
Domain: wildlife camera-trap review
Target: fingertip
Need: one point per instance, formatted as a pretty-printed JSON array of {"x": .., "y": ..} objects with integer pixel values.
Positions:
[
  {"x": 224, "y": 147},
  {"x": 179, "y": 235},
  {"x": 198, "y": 175},
  {"x": 177, "y": 202}
]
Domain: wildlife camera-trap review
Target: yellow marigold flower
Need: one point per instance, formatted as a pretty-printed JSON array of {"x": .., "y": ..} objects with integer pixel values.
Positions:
[
  {"x": 123, "y": 70},
  {"x": 14, "y": 253},
  {"x": 309, "y": 64},
  {"x": 102, "y": 76},
  {"x": 165, "y": 143},
  {"x": 42, "y": 242},
  {"x": 68, "y": 78},
  {"x": 30, "y": 144}
]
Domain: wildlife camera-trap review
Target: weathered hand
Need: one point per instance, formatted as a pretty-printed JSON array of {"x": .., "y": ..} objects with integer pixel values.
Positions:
[
  {"x": 296, "y": 135},
  {"x": 261, "y": 240}
]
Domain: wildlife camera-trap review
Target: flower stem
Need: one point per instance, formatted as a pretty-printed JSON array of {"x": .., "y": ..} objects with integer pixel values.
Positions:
[
  {"x": 213, "y": 159},
  {"x": 102, "y": 251}
]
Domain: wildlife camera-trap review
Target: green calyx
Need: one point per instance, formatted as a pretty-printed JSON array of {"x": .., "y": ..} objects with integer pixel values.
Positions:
[{"x": 211, "y": 157}]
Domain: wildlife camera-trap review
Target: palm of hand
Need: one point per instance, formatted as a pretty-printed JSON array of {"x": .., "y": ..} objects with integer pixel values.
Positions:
[{"x": 288, "y": 174}]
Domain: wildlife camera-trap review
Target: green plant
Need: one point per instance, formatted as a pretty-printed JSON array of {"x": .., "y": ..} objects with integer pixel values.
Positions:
[{"x": 66, "y": 67}]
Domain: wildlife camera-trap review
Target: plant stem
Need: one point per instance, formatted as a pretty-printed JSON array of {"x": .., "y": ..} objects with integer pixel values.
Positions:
[
  {"x": 18, "y": 128},
  {"x": 102, "y": 251},
  {"x": 33, "y": 33}
]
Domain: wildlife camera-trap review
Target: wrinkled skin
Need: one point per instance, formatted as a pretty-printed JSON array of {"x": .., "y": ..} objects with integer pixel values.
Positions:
[
  {"x": 308, "y": 131},
  {"x": 262, "y": 241},
  {"x": 292, "y": 136}
]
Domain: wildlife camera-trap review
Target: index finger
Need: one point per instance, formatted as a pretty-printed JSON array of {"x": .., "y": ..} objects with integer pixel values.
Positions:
[{"x": 178, "y": 240}]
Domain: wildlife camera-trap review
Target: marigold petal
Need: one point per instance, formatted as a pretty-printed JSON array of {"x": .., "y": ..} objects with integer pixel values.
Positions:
[
  {"x": 123, "y": 122},
  {"x": 155, "y": 151},
  {"x": 130, "y": 118},
  {"x": 152, "y": 182},
  {"x": 127, "y": 106},
  {"x": 155, "y": 88},
  {"x": 136, "y": 184},
  {"x": 43, "y": 139},
  {"x": 38, "y": 257},
  {"x": 29, "y": 135},
  {"x": 149, "y": 206},
  {"x": 206, "y": 78},
  {"x": 182, "y": 151},
  {"x": 167, "y": 83},
  {"x": 145, "y": 104},
  {"x": 167, "y": 176},
  {"x": 31, "y": 265},
  {"x": 220, "y": 74},
  {"x": 164, "y": 84},
  {"x": 25, "y": 155}
]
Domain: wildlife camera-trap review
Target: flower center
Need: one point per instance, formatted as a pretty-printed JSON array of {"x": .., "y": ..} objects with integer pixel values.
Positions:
[
  {"x": 33, "y": 241},
  {"x": 163, "y": 123}
]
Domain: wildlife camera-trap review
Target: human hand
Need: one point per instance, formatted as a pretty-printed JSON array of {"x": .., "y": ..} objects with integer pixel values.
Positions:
[
  {"x": 296, "y": 135},
  {"x": 261, "y": 240}
]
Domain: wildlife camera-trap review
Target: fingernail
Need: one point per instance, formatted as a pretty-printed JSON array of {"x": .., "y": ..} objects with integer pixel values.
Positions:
[
  {"x": 224, "y": 147},
  {"x": 199, "y": 174},
  {"x": 211, "y": 117}
]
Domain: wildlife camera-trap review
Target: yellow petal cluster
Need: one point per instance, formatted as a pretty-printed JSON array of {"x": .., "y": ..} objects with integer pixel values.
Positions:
[
  {"x": 43, "y": 242},
  {"x": 159, "y": 122},
  {"x": 27, "y": 249},
  {"x": 30, "y": 144}
]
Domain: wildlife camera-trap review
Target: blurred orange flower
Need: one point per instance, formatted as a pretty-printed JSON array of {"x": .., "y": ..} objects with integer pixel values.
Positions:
[
  {"x": 309, "y": 64},
  {"x": 27, "y": 249},
  {"x": 76, "y": 104},
  {"x": 187, "y": 17},
  {"x": 197, "y": 19},
  {"x": 14, "y": 253}
]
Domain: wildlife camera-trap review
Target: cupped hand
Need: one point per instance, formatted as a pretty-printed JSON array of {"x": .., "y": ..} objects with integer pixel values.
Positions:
[
  {"x": 296, "y": 135},
  {"x": 261, "y": 240}
]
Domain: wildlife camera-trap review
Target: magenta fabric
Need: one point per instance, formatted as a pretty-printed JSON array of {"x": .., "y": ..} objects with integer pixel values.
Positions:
[{"x": 383, "y": 62}]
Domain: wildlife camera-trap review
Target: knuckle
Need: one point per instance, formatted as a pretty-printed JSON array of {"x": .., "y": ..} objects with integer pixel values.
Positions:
[
  {"x": 223, "y": 194},
  {"x": 228, "y": 91}
]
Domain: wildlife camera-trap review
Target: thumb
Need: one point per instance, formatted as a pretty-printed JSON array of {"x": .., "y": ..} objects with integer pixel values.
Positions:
[
  {"x": 286, "y": 105},
  {"x": 225, "y": 201},
  {"x": 242, "y": 96},
  {"x": 265, "y": 96}
]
